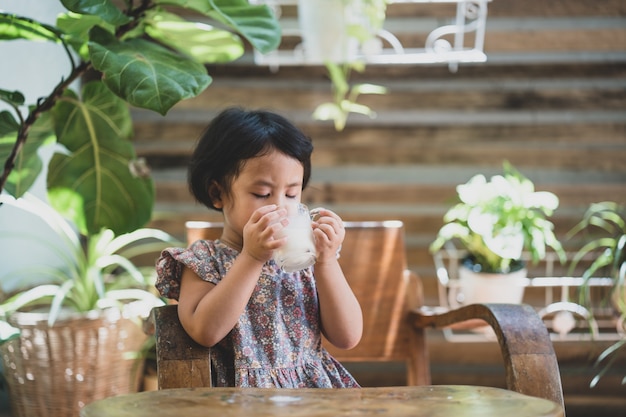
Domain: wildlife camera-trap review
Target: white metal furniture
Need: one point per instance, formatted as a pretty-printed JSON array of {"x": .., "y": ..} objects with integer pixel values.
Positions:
[{"x": 445, "y": 43}]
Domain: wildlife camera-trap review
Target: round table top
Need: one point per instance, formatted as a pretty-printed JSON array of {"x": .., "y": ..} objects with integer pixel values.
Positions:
[{"x": 431, "y": 401}]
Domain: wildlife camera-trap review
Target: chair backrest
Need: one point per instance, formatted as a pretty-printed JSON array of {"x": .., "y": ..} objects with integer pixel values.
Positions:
[
  {"x": 181, "y": 362},
  {"x": 373, "y": 259},
  {"x": 374, "y": 262}
]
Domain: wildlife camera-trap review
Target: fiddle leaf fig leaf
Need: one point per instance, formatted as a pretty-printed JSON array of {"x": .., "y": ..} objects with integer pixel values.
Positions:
[
  {"x": 95, "y": 184},
  {"x": 145, "y": 74},
  {"x": 28, "y": 164},
  {"x": 14, "y": 27},
  {"x": 76, "y": 28},
  {"x": 105, "y": 9},
  {"x": 198, "y": 40},
  {"x": 256, "y": 23}
]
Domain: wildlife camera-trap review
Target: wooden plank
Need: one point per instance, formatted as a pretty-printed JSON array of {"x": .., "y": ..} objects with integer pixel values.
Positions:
[
  {"x": 513, "y": 8},
  {"x": 457, "y": 93},
  {"x": 437, "y": 196},
  {"x": 180, "y": 136},
  {"x": 556, "y": 8}
]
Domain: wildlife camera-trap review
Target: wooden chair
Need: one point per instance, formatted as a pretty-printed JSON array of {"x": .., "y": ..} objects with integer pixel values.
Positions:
[{"x": 373, "y": 258}]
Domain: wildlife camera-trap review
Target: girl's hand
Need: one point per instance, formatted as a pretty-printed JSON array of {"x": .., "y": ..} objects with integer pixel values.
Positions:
[
  {"x": 258, "y": 233},
  {"x": 329, "y": 234}
]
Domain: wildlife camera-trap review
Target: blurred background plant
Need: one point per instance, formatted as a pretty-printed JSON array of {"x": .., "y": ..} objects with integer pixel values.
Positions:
[
  {"x": 496, "y": 220},
  {"x": 603, "y": 229},
  {"x": 364, "y": 20}
]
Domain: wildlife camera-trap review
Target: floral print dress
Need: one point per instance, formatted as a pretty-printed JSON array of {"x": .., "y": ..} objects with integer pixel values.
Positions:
[{"x": 277, "y": 340}]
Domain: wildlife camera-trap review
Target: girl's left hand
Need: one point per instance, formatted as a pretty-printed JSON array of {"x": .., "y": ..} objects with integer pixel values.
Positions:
[{"x": 329, "y": 234}]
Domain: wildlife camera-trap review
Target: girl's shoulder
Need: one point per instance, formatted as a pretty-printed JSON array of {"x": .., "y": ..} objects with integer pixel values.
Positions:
[
  {"x": 209, "y": 259},
  {"x": 213, "y": 252}
]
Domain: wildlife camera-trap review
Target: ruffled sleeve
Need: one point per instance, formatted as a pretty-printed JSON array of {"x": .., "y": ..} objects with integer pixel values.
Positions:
[{"x": 201, "y": 257}]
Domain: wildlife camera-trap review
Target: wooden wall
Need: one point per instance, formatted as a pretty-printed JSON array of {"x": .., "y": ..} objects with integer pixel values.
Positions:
[{"x": 551, "y": 99}]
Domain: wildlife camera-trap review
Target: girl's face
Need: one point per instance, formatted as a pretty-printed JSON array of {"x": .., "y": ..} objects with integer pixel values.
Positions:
[{"x": 274, "y": 178}]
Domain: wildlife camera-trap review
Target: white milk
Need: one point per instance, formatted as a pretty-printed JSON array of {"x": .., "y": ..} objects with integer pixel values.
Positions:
[{"x": 299, "y": 251}]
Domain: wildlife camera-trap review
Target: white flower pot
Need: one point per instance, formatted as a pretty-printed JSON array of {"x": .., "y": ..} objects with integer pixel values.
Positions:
[
  {"x": 323, "y": 26},
  {"x": 480, "y": 287}
]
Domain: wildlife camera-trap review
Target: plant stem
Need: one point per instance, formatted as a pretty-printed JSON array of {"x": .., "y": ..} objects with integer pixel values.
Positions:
[{"x": 42, "y": 107}]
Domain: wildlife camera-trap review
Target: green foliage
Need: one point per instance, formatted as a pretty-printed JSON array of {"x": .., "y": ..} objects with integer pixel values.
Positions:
[
  {"x": 138, "y": 53},
  {"x": 95, "y": 273},
  {"x": 144, "y": 73},
  {"x": 28, "y": 165},
  {"x": 604, "y": 229},
  {"x": 148, "y": 56},
  {"x": 496, "y": 220},
  {"x": 93, "y": 183},
  {"x": 345, "y": 96}
]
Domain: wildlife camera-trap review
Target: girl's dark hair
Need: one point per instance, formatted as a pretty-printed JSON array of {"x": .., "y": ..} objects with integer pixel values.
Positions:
[{"x": 236, "y": 135}]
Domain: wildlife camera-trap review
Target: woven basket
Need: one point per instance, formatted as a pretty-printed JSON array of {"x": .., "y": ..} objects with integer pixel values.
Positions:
[{"x": 55, "y": 371}]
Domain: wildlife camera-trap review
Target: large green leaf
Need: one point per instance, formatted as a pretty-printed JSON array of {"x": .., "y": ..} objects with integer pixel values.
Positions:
[
  {"x": 28, "y": 164},
  {"x": 256, "y": 23},
  {"x": 14, "y": 27},
  {"x": 200, "y": 41},
  {"x": 105, "y": 9},
  {"x": 145, "y": 74},
  {"x": 76, "y": 28},
  {"x": 96, "y": 185}
]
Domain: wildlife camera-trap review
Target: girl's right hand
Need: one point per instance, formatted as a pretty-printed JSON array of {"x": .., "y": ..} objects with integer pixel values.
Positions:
[{"x": 258, "y": 233}]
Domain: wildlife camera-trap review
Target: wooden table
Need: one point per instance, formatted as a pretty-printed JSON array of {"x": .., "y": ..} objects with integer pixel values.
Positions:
[{"x": 431, "y": 401}]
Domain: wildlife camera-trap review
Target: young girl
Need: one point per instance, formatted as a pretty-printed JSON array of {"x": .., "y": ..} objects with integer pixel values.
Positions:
[{"x": 264, "y": 325}]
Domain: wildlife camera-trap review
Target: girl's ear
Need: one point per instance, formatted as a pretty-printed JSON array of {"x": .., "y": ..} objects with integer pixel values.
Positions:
[{"x": 215, "y": 193}]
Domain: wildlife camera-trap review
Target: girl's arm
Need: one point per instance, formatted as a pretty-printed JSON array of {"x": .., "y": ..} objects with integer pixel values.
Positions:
[
  {"x": 341, "y": 316},
  {"x": 208, "y": 312}
]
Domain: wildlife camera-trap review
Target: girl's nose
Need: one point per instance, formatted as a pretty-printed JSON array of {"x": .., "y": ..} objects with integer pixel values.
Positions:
[
  {"x": 285, "y": 202},
  {"x": 282, "y": 201},
  {"x": 278, "y": 201}
]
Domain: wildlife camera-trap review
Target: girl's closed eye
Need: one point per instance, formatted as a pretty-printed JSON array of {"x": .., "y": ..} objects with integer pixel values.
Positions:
[{"x": 262, "y": 196}]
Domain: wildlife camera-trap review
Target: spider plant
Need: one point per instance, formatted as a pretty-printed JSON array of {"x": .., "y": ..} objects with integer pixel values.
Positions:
[
  {"x": 96, "y": 272},
  {"x": 604, "y": 227}
]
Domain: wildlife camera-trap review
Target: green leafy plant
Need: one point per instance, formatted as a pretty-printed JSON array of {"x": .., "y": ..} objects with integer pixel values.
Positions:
[
  {"x": 96, "y": 273},
  {"x": 604, "y": 229},
  {"x": 365, "y": 32},
  {"x": 345, "y": 96},
  {"x": 139, "y": 53},
  {"x": 497, "y": 220}
]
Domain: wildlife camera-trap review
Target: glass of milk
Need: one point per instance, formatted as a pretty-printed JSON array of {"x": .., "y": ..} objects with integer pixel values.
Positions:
[{"x": 299, "y": 251}]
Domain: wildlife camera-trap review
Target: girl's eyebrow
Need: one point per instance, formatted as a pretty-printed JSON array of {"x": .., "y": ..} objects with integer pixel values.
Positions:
[
  {"x": 265, "y": 183},
  {"x": 262, "y": 183}
]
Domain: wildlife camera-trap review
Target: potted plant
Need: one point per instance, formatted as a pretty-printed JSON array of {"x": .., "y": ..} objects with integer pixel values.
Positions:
[
  {"x": 142, "y": 54},
  {"x": 70, "y": 340},
  {"x": 604, "y": 229},
  {"x": 339, "y": 35},
  {"x": 495, "y": 222}
]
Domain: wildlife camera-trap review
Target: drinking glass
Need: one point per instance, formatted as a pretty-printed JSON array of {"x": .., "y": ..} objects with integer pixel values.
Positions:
[{"x": 298, "y": 252}]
